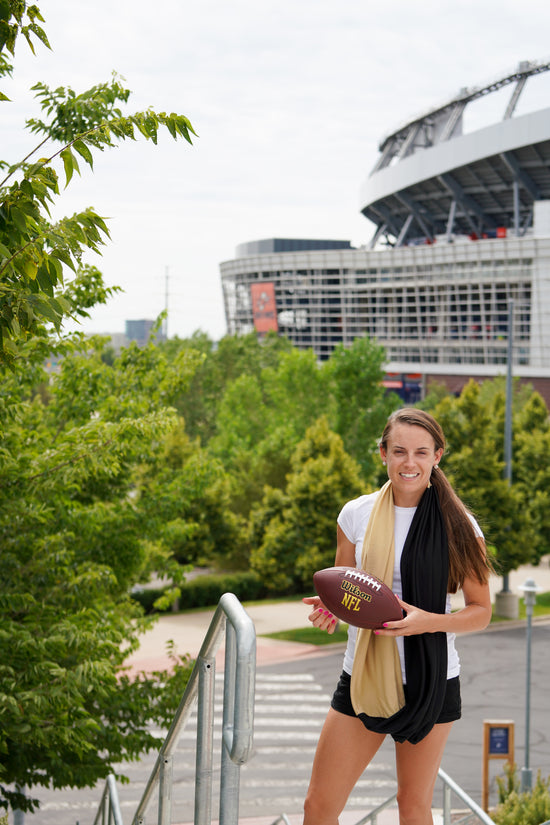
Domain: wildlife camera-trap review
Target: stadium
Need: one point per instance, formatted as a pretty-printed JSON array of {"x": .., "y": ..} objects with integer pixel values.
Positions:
[{"x": 457, "y": 273}]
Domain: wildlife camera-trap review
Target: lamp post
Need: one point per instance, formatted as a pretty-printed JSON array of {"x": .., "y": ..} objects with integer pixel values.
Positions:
[
  {"x": 529, "y": 589},
  {"x": 506, "y": 602}
]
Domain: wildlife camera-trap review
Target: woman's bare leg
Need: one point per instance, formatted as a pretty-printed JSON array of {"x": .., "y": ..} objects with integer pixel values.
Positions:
[
  {"x": 417, "y": 767},
  {"x": 344, "y": 750}
]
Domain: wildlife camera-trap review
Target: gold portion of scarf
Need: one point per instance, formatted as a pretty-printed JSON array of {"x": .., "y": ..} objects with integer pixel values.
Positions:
[{"x": 376, "y": 680}]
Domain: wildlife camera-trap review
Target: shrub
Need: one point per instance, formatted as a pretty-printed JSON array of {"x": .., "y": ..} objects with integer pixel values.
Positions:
[
  {"x": 147, "y": 597},
  {"x": 206, "y": 591},
  {"x": 527, "y": 808}
]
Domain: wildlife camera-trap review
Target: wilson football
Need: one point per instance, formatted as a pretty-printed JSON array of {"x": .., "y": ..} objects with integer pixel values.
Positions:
[{"x": 356, "y": 597}]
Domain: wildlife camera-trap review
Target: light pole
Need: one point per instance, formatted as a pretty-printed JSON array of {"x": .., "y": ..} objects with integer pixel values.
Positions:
[
  {"x": 506, "y": 602},
  {"x": 529, "y": 589}
]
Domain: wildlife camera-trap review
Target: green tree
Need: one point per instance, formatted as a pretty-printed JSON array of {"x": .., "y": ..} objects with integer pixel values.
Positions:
[
  {"x": 183, "y": 495},
  {"x": 474, "y": 428},
  {"x": 293, "y": 532},
  {"x": 436, "y": 392},
  {"x": 231, "y": 358},
  {"x": 72, "y": 540},
  {"x": 73, "y": 543},
  {"x": 35, "y": 252},
  {"x": 262, "y": 417},
  {"x": 362, "y": 406},
  {"x": 531, "y": 469},
  {"x": 266, "y": 409}
]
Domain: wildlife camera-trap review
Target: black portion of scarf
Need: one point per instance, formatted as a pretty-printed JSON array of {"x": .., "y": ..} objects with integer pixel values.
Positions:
[{"x": 424, "y": 576}]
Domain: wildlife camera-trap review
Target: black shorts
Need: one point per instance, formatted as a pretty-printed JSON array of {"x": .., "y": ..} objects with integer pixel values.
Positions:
[{"x": 450, "y": 712}]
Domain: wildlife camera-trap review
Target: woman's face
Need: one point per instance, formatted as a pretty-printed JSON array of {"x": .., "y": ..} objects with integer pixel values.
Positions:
[{"x": 410, "y": 455}]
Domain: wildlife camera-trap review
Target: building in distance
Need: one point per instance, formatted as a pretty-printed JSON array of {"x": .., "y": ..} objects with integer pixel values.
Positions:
[{"x": 458, "y": 262}]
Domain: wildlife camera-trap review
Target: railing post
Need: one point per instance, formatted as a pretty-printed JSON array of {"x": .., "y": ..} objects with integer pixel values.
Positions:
[
  {"x": 229, "y": 779},
  {"x": 114, "y": 802},
  {"x": 205, "y": 740},
  {"x": 165, "y": 790},
  {"x": 446, "y": 804}
]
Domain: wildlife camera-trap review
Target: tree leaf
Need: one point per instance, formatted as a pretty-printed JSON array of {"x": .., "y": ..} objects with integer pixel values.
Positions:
[
  {"x": 20, "y": 219},
  {"x": 30, "y": 268},
  {"x": 70, "y": 163},
  {"x": 83, "y": 150}
]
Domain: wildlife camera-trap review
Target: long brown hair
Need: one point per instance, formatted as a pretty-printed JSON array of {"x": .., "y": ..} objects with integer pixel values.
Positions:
[{"x": 465, "y": 556}]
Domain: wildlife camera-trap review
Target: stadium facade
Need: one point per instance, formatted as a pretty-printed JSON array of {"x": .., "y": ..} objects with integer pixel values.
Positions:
[{"x": 457, "y": 272}]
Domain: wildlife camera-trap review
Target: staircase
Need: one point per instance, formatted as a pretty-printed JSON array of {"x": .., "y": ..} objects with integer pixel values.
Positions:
[{"x": 230, "y": 619}]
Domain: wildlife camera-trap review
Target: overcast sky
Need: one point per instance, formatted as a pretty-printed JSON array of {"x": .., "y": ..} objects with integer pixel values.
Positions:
[{"x": 290, "y": 100}]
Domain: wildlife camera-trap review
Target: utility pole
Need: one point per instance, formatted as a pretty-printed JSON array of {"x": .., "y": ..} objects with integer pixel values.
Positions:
[{"x": 508, "y": 413}]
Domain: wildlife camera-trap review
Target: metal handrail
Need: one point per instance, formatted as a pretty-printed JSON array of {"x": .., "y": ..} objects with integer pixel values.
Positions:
[
  {"x": 237, "y": 725},
  {"x": 449, "y": 785},
  {"x": 108, "y": 812}
]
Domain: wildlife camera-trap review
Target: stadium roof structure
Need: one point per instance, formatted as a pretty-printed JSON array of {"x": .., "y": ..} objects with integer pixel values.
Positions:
[{"x": 431, "y": 180}]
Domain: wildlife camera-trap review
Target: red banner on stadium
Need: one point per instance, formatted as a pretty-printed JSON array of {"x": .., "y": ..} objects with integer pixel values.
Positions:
[{"x": 264, "y": 309}]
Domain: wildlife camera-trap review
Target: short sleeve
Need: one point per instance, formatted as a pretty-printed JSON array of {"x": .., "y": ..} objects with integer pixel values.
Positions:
[
  {"x": 354, "y": 516},
  {"x": 477, "y": 528},
  {"x": 346, "y": 521}
]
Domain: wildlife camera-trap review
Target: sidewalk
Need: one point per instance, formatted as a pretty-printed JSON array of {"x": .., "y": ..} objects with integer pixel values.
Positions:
[{"x": 188, "y": 630}]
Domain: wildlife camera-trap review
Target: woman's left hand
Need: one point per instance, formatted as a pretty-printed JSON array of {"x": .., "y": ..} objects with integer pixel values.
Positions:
[{"x": 416, "y": 621}]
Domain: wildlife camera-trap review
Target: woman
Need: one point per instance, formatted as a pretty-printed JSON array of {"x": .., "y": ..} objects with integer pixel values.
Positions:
[{"x": 402, "y": 680}]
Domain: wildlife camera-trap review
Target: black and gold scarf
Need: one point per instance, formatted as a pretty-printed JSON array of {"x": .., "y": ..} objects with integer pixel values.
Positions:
[{"x": 377, "y": 691}]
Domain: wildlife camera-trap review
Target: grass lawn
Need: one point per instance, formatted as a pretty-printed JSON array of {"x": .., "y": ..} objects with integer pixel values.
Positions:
[
  {"x": 314, "y": 636},
  {"x": 311, "y": 635}
]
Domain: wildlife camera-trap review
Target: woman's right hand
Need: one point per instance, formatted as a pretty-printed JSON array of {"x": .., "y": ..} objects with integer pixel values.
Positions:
[{"x": 320, "y": 617}]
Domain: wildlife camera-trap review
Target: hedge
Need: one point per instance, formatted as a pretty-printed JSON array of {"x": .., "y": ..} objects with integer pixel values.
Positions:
[{"x": 206, "y": 591}]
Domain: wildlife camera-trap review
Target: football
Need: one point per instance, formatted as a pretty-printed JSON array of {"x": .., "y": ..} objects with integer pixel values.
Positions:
[{"x": 356, "y": 597}]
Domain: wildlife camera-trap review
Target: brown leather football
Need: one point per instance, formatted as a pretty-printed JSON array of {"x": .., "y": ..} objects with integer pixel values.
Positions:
[{"x": 356, "y": 597}]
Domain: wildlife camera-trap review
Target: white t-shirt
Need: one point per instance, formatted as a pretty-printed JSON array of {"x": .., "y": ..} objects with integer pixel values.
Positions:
[{"x": 353, "y": 520}]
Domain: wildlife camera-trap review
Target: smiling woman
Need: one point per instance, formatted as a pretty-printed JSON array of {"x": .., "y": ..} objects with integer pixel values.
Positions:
[
  {"x": 410, "y": 455},
  {"x": 417, "y": 536}
]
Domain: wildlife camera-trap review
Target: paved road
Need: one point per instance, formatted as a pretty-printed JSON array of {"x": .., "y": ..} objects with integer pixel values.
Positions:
[
  {"x": 291, "y": 701},
  {"x": 493, "y": 687}
]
